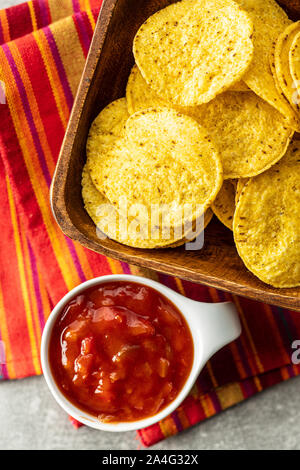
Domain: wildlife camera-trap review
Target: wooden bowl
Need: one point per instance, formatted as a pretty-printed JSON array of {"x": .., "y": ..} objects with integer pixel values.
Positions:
[{"x": 104, "y": 79}]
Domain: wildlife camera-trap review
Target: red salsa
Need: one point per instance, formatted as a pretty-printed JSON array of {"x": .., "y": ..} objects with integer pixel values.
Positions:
[{"x": 121, "y": 351}]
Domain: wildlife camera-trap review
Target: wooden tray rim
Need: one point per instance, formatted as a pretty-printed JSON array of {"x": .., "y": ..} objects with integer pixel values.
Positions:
[{"x": 59, "y": 208}]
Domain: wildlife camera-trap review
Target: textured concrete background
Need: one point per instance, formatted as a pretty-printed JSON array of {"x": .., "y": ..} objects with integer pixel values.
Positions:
[{"x": 30, "y": 419}]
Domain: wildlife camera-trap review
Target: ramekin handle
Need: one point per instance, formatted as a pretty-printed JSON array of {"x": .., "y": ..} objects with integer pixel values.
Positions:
[{"x": 217, "y": 325}]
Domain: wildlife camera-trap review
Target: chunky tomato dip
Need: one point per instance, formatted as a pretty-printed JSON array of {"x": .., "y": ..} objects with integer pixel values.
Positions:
[{"x": 121, "y": 351}]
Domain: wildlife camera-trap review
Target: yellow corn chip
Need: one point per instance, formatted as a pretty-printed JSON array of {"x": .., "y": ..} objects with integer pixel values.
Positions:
[
  {"x": 224, "y": 205},
  {"x": 250, "y": 134},
  {"x": 269, "y": 21},
  {"x": 282, "y": 64},
  {"x": 126, "y": 231},
  {"x": 294, "y": 62},
  {"x": 266, "y": 222},
  {"x": 189, "y": 52},
  {"x": 163, "y": 162}
]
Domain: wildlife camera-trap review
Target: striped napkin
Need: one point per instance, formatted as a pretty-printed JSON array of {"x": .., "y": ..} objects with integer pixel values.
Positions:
[{"x": 44, "y": 44}]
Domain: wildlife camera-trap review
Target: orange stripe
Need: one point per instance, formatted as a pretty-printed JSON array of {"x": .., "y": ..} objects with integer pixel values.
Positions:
[
  {"x": 33, "y": 107},
  {"x": 238, "y": 361},
  {"x": 207, "y": 405},
  {"x": 214, "y": 294},
  {"x": 179, "y": 286},
  {"x": 115, "y": 266},
  {"x": 40, "y": 188},
  {"x": 284, "y": 373},
  {"x": 183, "y": 417},
  {"x": 258, "y": 383},
  {"x": 54, "y": 80},
  {"x": 23, "y": 284},
  {"x": 211, "y": 374},
  {"x": 5, "y": 25},
  {"x": 44, "y": 295},
  {"x": 195, "y": 391},
  {"x": 72, "y": 56},
  {"x": 90, "y": 15},
  {"x": 31, "y": 290},
  {"x": 32, "y": 16},
  {"x": 250, "y": 359},
  {"x": 168, "y": 427},
  {"x": 52, "y": 229},
  {"x": 5, "y": 338},
  {"x": 84, "y": 262}
]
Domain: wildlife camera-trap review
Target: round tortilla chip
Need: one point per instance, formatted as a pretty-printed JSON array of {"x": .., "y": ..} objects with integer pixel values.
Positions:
[
  {"x": 110, "y": 223},
  {"x": 224, "y": 205},
  {"x": 266, "y": 222},
  {"x": 294, "y": 63},
  {"x": 164, "y": 161},
  {"x": 191, "y": 238},
  {"x": 282, "y": 65},
  {"x": 251, "y": 134},
  {"x": 239, "y": 87},
  {"x": 269, "y": 21},
  {"x": 191, "y": 51},
  {"x": 139, "y": 94},
  {"x": 273, "y": 70},
  {"x": 241, "y": 183},
  {"x": 110, "y": 123}
]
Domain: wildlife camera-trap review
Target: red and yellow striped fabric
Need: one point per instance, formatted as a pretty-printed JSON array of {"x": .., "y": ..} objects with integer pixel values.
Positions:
[{"x": 43, "y": 45}]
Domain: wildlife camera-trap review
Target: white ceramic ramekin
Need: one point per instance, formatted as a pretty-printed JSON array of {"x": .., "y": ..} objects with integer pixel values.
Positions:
[{"x": 212, "y": 326}]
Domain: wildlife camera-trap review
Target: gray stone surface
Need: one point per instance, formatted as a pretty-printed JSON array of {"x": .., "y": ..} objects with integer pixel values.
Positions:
[
  {"x": 9, "y": 3},
  {"x": 30, "y": 419}
]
